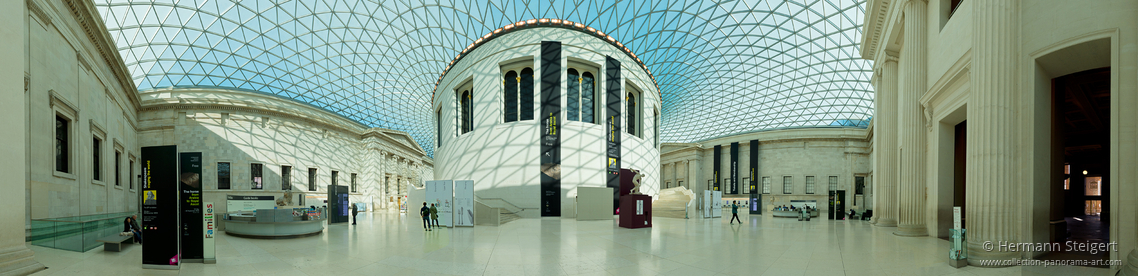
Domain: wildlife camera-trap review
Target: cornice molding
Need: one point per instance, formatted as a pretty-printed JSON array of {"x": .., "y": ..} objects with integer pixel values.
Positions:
[
  {"x": 35, "y": 9},
  {"x": 874, "y": 27},
  {"x": 88, "y": 18}
]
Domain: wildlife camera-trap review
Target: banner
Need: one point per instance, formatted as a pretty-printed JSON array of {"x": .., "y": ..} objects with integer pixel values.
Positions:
[
  {"x": 735, "y": 168},
  {"x": 190, "y": 181},
  {"x": 550, "y": 128},
  {"x": 754, "y": 164},
  {"x": 160, "y": 208},
  {"x": 715, "y": 164},
  {"x": 209, "y": 225},
  {"x": 464, "y": 203},
  {"x": 441, "y": 194},
  {"x": 612, "y": 123}
]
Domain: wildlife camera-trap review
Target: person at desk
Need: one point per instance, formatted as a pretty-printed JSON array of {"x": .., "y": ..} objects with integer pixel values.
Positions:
[
  {"x": 130, "y": 224},
  {"x": 426, "y": 214}
]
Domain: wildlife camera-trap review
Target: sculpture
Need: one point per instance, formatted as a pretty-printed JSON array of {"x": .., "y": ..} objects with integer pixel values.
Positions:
[
  {"x": 285, "y": 200},
  {"x": 636, "y": 181}
]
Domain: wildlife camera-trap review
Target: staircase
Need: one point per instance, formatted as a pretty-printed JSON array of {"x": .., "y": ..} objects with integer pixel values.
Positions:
[
  {"x": 673, "y": 203},
  {"x": 505, "y": 216}
]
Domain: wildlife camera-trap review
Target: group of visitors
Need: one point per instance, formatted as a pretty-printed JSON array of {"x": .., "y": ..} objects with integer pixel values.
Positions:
[
  {"x": 130, "y": 224},
  {"x": 429, "y": 215}
]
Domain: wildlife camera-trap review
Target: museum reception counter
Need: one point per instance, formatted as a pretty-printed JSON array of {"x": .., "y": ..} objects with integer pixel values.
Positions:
[{"x": 276, "y": 223}]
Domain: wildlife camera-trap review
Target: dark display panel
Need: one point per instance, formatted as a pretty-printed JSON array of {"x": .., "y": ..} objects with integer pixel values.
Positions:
[
  {"x": 190, "y": 182},
  {"x": 735, "y": 168},
  {"x": 612, "y": 123},
  {"x": 715, "y": 164},
  {"x": 550, "y": 128},
  {"x": 159, "y": 220}
]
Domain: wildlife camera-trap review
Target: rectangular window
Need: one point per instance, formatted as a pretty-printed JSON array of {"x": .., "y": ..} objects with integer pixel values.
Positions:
[
  {"x": 62, "y": 144},
  {"x": 766, "y": 184},
  {"x": 223, "y": 175},
  {"x": 311, "y": 180},
  {"x": 286, "y": 178},
  {"x": 130, "y": 177},
  {"x": 746, "y": 185},
  {"x": 353, "y": 183},
  {"x": 96, "y": 160},
  {"x": 438, "y": 128},
  {"x": 810, "y": 185},
  {"x": 656, "y": 127},
  {"x": 335, "y": 175},
  {"x": 859, "y": 185},
  {"x": 833, "y": 183},
  {"x": 787, "y": 187},
  {"x": 118, "y": 168},
  {"x": 255, "y": 175}
]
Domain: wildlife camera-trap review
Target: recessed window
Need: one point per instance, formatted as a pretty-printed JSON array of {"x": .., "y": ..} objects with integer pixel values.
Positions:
[
  {"x": 62, "y": 144},
  {"x": 581, "y": 89},
  {"x": 286, "y": 178},
  {"x": 810, "y": 184},
  {"x": 96, "y": 159},
  {"x": 438, "y": 128},
  {"x": 656, "y": 127},
  {"x": 465, "y": 112},
  {"x": 335, "y": 177},
  {"x": 630, "y": 101},
  {"x": 118, "y": 168},
  {"x": 766, "y": 185},
  {"x": 255, "y": 171},
  {"x": 223, "y": 172},
  {"x": 833, "y": 183},
  {"x": 311, "y": 179},
  {"x": 787, "y": 186},
  {"x": 859, "y": 185},
  {"x": 130, "y": 177},
  {"x": 353, "y": 182}
]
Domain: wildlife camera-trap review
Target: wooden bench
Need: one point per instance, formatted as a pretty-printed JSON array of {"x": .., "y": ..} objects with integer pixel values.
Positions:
[{"x": 114, "y": 243}]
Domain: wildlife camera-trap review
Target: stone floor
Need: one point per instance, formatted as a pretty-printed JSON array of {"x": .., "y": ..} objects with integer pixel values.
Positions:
[{"x": 390, "y": 244}]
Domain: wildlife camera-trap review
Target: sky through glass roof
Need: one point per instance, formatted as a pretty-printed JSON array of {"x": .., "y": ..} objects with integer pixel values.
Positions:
[{"x": 723, "y": 68}]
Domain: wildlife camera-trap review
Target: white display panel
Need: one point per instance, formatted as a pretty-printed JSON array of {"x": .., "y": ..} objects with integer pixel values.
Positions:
[
  {"x": 717, "y": 208},
  {"x": 441, "y": 194},
  {"x": 463, "y": 203},
  {"x": 706, "y": 204}
]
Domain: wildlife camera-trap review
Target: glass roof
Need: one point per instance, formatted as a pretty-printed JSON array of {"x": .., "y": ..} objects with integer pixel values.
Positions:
[{"x": 723, "y": 68}]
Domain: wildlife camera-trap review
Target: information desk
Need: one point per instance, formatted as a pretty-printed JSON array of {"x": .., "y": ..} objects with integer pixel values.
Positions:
[
  {"x": 793, "y": 214},
  {"x": 275, "y": 223}
]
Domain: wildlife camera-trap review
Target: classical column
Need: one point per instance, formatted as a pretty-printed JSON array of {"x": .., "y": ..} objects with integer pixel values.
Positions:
[
  {"x": 885, "y": 131},
  {"x": 911, "y": 125},
  {"x": 383, "y": 180},
  {"x": 991, "y": 209}
]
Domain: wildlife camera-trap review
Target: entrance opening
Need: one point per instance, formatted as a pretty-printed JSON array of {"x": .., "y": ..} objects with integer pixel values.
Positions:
[{"x": 959, "y": 160}]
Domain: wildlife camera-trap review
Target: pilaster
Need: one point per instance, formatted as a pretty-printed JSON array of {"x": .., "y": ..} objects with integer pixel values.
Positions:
[
  {"x": 885, "y": 131},
  {"x": 911, "y": 125}
]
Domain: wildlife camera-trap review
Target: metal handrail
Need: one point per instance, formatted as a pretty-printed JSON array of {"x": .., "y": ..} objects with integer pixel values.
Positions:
[{"x": 503, "y": 200}]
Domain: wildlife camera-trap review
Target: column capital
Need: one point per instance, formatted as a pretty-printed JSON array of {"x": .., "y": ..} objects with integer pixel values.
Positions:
[{"x": 891, "y": 56}]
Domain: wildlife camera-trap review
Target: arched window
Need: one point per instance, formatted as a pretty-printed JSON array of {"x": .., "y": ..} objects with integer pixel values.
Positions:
[
  {"x": 630, "y": 102},
  {"x": 510, "y": 81},
  {"x": 526, "y": 94},
  {"x": 580, "y": 96},
  {"x": 466, "y": 120},
  {"x": 573, "y": 95},
  {"x": 588, "y": 106}
]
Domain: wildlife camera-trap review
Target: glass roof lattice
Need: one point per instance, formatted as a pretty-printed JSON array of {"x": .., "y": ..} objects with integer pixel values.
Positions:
[{"x": 722, "y": 68}]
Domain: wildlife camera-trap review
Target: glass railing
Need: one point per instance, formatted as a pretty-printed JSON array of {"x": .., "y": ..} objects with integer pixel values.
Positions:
[{"x": 79, "y": 233}]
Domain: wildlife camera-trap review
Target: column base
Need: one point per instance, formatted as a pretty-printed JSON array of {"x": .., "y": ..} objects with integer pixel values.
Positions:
[
  {"x": 977, "y": 254},
  {"x": 911, "y": 231},
  {"x": 18, "y": 260},
  {"x": 887, "y": 222},
  {"x": 1131, "y": 266}
]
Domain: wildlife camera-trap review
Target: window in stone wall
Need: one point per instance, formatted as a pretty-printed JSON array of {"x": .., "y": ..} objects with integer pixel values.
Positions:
[
  {"x": 810, "y": 184},
  {"x": 787, "y": 186},
  {"x": 96, "y": 159},
  {"x": 118, "y": 168},
  {"x": 438, "y": 128},
  {"x": 223, "y": 175},
  {"x": 466, "y": 120},
  {"x": 525, "y": 94},
  {"x": 580, "y": 93},
  {"x": 630, "y": 101},
  {"x": 311, "y": 179},
  {"x": 766, "y": 184},
  {"x": 62, "y": 144},
  {"x": 353, "y": 183},
  {"x": 746, "y": 183},
  {"x": 130, "y": 177},
  {"x": 255, "y": 171},
  {"x": 859, "y": 185},
  {"x": 833, "y": 183},
  {"x": 335, "y": 178},
  {"x": 286, "y": 178}
]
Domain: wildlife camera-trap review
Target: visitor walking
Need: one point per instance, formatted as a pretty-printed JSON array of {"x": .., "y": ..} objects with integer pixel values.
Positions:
[
  {"x": 355, "y": 211},
  {"x": 435, "y": 215},
  {"x": 735, "y": 212},
  {"x": 426, "y": 214}
]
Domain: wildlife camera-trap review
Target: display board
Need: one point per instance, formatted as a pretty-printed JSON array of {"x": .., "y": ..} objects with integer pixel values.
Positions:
[
  {"x": 160, "y": 208},
  {"x": 209, "y": 224},
  {"x": 754, "y": 168},
  {"x": 592, "y": 203},
  {"x": 441, "y": 194},
  {"x": 235, "y": 203},
  {"x": 190, "y": 180},
  {"x": 550, "y": 128},
  {"x": 734, "y": 168},
  {"x": 612, "y": 125},
  {"x": 716, "y": 205},
  {"x": 756, "y": 201},
  {"x": 716, "y": 155},
  {"x": 707, "y": 203},
  {"x": 464, "y": 203},
  {"x": 338, "y": 208}
]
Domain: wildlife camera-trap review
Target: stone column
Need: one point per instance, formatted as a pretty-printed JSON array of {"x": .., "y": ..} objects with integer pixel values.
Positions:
[
  {"x": 885, "y": 131},
  {"x": 991, "y": 202},
  {"x": 383, "y": 180},
  {"x": 15, "y": 257},
  {"x": 911, "y": 125}
]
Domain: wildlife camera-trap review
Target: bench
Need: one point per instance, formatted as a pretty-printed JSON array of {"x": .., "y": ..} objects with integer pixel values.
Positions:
[{"x": 114, "y": 243}]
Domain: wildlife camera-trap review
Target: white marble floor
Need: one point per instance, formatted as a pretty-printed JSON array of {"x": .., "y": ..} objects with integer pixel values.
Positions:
[{"x": 390, "y": 244}]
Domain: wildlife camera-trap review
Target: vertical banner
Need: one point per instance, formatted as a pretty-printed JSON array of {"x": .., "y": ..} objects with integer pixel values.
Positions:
[
  {"x": 550, "y": 128},
  {"x": 464, "y": 203},
  {"x": 612, "y": 122},
  {"x": 441, "y": 194},
  {"x": 735, "y": 168},
  {"x": 190, "y": 180},
  {"x": 160, "y": 208},
  {"x": 716, "y": 163},
  {"x": 209, "y": 225},
  {"x": 754, "y": 164}
]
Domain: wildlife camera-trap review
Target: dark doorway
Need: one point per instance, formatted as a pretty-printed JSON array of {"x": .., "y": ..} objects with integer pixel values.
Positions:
[{"x": 959, "y": 157}]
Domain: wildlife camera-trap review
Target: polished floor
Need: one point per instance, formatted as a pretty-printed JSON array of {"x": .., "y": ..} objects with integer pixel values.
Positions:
[{"x": 391, "y": 244}]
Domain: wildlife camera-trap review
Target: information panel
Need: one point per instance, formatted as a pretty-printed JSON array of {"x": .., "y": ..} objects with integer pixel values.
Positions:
[
  {"x": 612, "y": 125},
  {"x": 464, "y": 203},
  {"x": 190, "y": 181},
  {"x": 338, "y": 208},
  {"x": 734, "y": 168},
  {"x": 234, "y": 203},
  {"x": 716, "y": 162},
  {"x": 550, "y": 128},
  {"x": 160, "y": 208},
  {"x": 209, "y": 225},
  {"x": 441, "y": 194}
]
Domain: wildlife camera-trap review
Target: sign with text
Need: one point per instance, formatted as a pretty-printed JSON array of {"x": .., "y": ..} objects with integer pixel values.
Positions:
[
  {"x": 190, "y": 182},
  {"x": 612, "y": 124},
  {"x": 734, "y": 168},
  {"x": 234, "y": 203},
  {"x": 441, "y": 194},
  {"x": 209, "y": 226},
  {"x": 550, "y": 128},
  {"x": 160, "y": 208}
]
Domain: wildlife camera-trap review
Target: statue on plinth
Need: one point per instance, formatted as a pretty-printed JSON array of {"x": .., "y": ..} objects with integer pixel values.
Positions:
[{"x": 636, "y": 181}]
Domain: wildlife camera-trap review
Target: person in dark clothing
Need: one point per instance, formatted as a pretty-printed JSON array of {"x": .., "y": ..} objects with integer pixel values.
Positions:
[
  {"x": 355, "y": 210},
  {"x": 425, "y": 212},
  {"x": 130, "y": 224},
  {"x": 435, "y": 215},
  {"x": 735, "y": 212}
]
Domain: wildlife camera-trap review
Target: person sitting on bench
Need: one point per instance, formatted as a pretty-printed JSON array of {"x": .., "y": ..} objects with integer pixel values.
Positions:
[{"x": 131, "y": 225}]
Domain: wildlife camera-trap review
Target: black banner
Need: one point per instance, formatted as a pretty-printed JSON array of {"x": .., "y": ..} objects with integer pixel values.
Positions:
[
  {"x": 160, "y": 207},
  {"x": 735, "y": 168},
  {"x": 337, "y": 203},
  {"x": 716, "y": 163},
  {"x": 550, "y": 128},
  {"x": 190, "y": 180},
  {"x": 754, "y": 167},
  {"x": 612, "y": 120}
]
